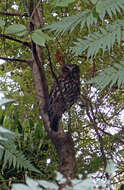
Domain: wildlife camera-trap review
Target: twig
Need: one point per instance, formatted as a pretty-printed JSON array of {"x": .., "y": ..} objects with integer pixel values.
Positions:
[
  {"x": 92, "y": 118},
  {"x": 69, "y": 122},
  {"x": 50, "y": 64},
  {"x": 62, "y": 49},
  {"x": 16, "y": 40},
  {"x": 99, "y": 137},
  {"x": 56, "y": 79},
  {"x": 13, "y": 59},
  {"x": 53, "y": 74},
  {"x": 108, "y": 124},
  {"x": 13, "y": 14},
  {"x": 109, "y": 134},
  {"x": 35, "y": 9}
]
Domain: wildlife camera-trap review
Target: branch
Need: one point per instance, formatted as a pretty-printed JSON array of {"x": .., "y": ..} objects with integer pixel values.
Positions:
[
  {"x": 107, "y": 123},
  {"x": 62, "y": 141},
  {"x": 115, "y": 136},
  {"x": 14, "y": 39},
  {"x": 92, "y": 118},
  {"x": 50, "y": 64},
  {"x": 53, "y": 74},
  {"x": 38, "y": 69},
  {"x": 13, "y": 59},
  {"x": 13, "y": 14},
  {"x": 69, "y": 121},
  {"x": 57, "y": 82},
  {"x": 33, "y": 12}
]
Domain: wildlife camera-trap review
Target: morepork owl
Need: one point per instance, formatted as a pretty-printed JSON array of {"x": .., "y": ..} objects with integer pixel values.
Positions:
[{"x": 64, "y": 93}]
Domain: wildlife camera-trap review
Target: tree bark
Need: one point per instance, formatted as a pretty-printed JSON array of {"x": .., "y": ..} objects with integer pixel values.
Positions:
[{"x": 62, "y": 141}]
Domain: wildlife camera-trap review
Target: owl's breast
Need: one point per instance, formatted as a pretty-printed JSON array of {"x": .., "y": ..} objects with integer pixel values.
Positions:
[
  {"x": 71, "y": 87},
  {"x": 71, "y": 92}
]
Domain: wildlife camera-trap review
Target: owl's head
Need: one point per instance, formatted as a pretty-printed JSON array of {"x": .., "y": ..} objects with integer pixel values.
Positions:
[{"x": 72, "y": 71}]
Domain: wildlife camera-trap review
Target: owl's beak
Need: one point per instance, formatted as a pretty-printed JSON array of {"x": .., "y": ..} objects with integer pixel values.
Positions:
[{"x": 71, "y": 75}]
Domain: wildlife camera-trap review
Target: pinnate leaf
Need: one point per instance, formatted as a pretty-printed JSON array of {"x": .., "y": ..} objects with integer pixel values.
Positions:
[
  {"x": 39, "y": 37},
  {"x": 17, "y": 29}
]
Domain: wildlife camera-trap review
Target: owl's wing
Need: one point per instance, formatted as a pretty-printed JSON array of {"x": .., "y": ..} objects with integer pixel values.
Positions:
[
  {"x": 55, "y": 91},
  {"x": 52, "y": 95}
]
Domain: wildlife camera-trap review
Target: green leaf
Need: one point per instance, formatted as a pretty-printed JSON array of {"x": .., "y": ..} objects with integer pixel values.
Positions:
[
  {"x": 39, "y": 37},
  {"x": 48, "y": 184},
  {"x": 110, "y": 76},
  {"x": 20, "y": 186},
  {"x": 99, "y": 6},
  {"x": 70, "y": 23},
  {"x": 62, "y": 3},
  {"x": 5, "y": 101},
  {"x": 94, "y": 1},
  {"x": 86, "y": 184},
  {"x": 1, "y": 152},
  {"x": 110, "y": 7},
  {"x": 60, "y": 178},
  {"x": 17, "y": 29},
  {"x": 32, "y": 184},
  {"x": 104, "y": 40},
  {"x": 6, "y": 131},
  {"x": 12, "y": 156},
  {"x": 110, "y": 169},
  {"x": 2, "y": 22}
]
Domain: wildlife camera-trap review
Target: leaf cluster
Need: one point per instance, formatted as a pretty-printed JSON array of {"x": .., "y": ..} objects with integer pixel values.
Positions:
[
  {"x": 100, "y": 38},
  {"x": 96, "y": 34},
  {"x": 9, "y": 154},
  {"x": 110, "y": 76},
  {"x": 77, "y": 184}
]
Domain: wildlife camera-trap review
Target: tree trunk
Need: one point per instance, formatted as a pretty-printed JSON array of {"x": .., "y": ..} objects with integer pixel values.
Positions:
[{"x": 62, "y": 141}]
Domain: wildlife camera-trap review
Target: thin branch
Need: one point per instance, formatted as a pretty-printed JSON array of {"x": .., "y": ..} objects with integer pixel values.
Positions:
[
  {"x": 40, "y": 80},
  {"x": 65, "y": 55},
  {"x": 19, "y": 60},
  {"x": 16, "y": 40},
  {"x": 109, "y": 134},
  {"x": 57, "y": 81},
  {"x": 99, "y": 137},
  {"x": 33, "y": 12},
  {"x": 109, "y": 124},
  {"x": 69, "y": 122},
  {"x": 50, "y": 63},
  {"x": 53, "y": 74},
  {"x": 13, "y": 14},
  {"x": 92, "y": 118}
]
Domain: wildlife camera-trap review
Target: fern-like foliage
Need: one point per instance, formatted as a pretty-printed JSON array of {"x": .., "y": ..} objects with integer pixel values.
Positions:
[
  {"x": 87, "y": 17},
  {"x": 9, "y": 154},
  {"x": 69, "y": 23},
  {"x": 110, "y": 76},
  {"x": 104, "y": 39},
  {"x": 77, "y": 184},
  {"x": 110, "y": 7},
  {"x": 61, "y": 3}
]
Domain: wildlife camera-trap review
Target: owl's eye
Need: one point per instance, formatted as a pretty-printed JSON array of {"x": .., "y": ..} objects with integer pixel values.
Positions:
[
  {"x": 66, "y": 69},
  {"x": 75, "y": 69}
]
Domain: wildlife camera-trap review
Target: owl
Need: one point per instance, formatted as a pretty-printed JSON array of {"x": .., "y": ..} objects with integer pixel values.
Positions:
[{"x": 64, "y": 94}]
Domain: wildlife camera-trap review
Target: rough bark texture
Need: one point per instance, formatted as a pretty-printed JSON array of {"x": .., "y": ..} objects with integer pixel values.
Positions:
[
  {"x": 64, "y": 146},
  {"x": 62, "y": 141}
]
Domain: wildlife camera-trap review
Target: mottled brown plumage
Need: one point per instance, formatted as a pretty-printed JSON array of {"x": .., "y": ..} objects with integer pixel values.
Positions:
[{"x": 64, "y": 93}]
